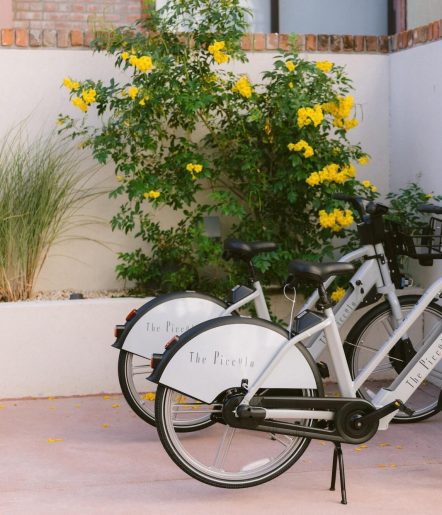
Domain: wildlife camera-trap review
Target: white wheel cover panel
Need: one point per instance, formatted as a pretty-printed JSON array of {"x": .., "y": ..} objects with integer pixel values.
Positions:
[
  {"x": 158, "y": 325},
  {"x": 220, "y": 358}
]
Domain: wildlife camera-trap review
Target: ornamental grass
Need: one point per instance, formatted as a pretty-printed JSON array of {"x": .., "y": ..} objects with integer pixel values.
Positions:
[{"x": 41, "y": 193}]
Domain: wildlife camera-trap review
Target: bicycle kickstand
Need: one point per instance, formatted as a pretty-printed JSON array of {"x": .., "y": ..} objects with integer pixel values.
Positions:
[{"x": 338, "y": 457}]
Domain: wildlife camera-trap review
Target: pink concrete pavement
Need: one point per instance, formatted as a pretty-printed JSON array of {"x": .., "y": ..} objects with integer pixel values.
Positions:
[{"x": 103, "y": 459}]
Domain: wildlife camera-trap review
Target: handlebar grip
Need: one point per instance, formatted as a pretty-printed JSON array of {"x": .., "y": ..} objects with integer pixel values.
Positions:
[
  {"x": 430, "y": 208},
  {"x": 357, "y": 202},
  {"x": 374, "y": 208},
  {"x": 344, "y": 196}
]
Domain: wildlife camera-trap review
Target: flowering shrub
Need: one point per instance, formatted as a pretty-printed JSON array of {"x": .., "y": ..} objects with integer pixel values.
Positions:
[{"x": 269, "y": 156}]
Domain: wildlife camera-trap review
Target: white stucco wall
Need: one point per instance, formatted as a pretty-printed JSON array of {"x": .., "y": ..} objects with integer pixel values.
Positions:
[
  {"x": 416, "y": 130},
  {"x": 30, "y": 88}
]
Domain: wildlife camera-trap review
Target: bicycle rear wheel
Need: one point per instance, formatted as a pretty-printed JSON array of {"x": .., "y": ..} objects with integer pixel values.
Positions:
[
  {"x": 224, "y": 456},
  {"x": 169, "y": 315},
  {"x": 371, "y": 331}
]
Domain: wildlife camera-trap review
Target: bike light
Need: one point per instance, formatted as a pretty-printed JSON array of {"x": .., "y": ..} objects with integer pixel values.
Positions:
[
  {"x": 154, "y": 360},
  {"x": 131, "y": 314},
  {"x": 171, "y": 342},
  {"x": 118, "y": 330}
]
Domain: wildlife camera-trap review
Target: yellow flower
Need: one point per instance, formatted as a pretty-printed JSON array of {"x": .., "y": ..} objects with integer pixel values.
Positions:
[
  {"x": 363, "y": 160},
  {"x": 216, "y": 46},
  {"x": 291, "y": 85},
  {"x": 337, "y": 295},
  {"x": 374, "y": 189},
  {"x": 243, "y": 87},
  {"x": 351, "y": 124},
  {"x": 313, "y": 179},
  {"x": 302, "y": 146},
  {"x": 219, "y": 56},
  {"x": 308, "y": 115},
  {"x": 428, "y": 196},
  {"x": 366, "y": 183},
  {"x": 290, "y": 66},
  {"x": 197, "y": 168},
  {"x": 89, "y": 96},
  {"x": 335, "y": 220},
  {"x": 324, "y": 66},
  {"x": 132, "y": 92},
  {"x": 125, "y": 56},
  {"x": 120, "y": 178},
  {"x": 189, "y": 167},
  {"x": 71, "y": 85},
  {"x": 80, "y": 103},
  {"x": 309, "y": 152},
  {"x": 149, "y": 396},
  {"x": 151, "y": 194},
  {"x": 143, "y": 63}
]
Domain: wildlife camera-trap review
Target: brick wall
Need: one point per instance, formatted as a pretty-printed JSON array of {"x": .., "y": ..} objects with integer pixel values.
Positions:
[
  {"x": 73, "y": 15},
  {"x": 258, "y": 42},
  {"x": 64, "y": 24}
]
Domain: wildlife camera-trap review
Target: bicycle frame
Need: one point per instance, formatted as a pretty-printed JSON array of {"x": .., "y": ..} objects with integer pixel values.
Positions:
[
  {"x": 374, "y": 272},
  {"x": 402, "y": 388}
]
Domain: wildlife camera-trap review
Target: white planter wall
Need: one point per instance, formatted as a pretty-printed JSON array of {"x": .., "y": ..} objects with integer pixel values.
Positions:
[{"x": 57, "y": 348}]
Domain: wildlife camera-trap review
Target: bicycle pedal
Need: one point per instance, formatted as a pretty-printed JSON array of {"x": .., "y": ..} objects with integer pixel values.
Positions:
[
  {"x": 323, "y": 369},
  {"x": 408, "y": 411}
]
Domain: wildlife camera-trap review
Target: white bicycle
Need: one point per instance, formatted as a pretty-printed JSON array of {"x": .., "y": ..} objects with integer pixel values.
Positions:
[
  {"x": 264, "y": 392},
  {"x": 148, "y": 328}
]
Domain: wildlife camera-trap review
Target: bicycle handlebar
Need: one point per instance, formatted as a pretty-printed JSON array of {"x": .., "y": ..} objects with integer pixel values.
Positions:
[
  {"x": 357, "y": 202},
  {"x": 430, "y": 208}
]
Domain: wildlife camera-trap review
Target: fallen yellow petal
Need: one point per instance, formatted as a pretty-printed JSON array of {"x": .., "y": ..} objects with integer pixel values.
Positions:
[
  {"x": 358, "y": 449},
  {"x": 364, "y": 446},
  {"x": 384, "y": 444},
  {"x": 115, "y": 405},
  {"x": 149, "y": 396},
  {"x": 106, "y": 397},
  {"x": 53, "y": 440},
  {"x": 52, "y": 407},
  {"x": 105, "y": 426},
  {"x": 51, "y": 398},
  {"x": 381, "y": 465},
  {"x": 77, "y": 405},
  {"x": 393, "y": 465},
  {"x": 398, "y": 447}
]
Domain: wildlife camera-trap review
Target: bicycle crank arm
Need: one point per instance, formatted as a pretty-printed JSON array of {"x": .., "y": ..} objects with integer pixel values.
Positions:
[{"x": 381, "y": 412}]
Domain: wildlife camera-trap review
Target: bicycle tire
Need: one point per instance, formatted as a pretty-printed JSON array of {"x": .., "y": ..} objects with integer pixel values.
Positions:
[{"x": 366, "y": 328}]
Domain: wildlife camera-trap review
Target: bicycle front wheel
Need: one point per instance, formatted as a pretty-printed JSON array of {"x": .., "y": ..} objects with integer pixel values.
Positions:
[{"x": 368, "y": 335}]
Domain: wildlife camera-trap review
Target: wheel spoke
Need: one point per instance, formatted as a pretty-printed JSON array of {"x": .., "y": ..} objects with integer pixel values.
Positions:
[
  {"x": 383, "y": 368},
  {"x": 282, "y": 439},
  {"x": 387, "y": 326},
  {"x": 147, "y": 371},
  {"x": 223, "y": 448}
]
